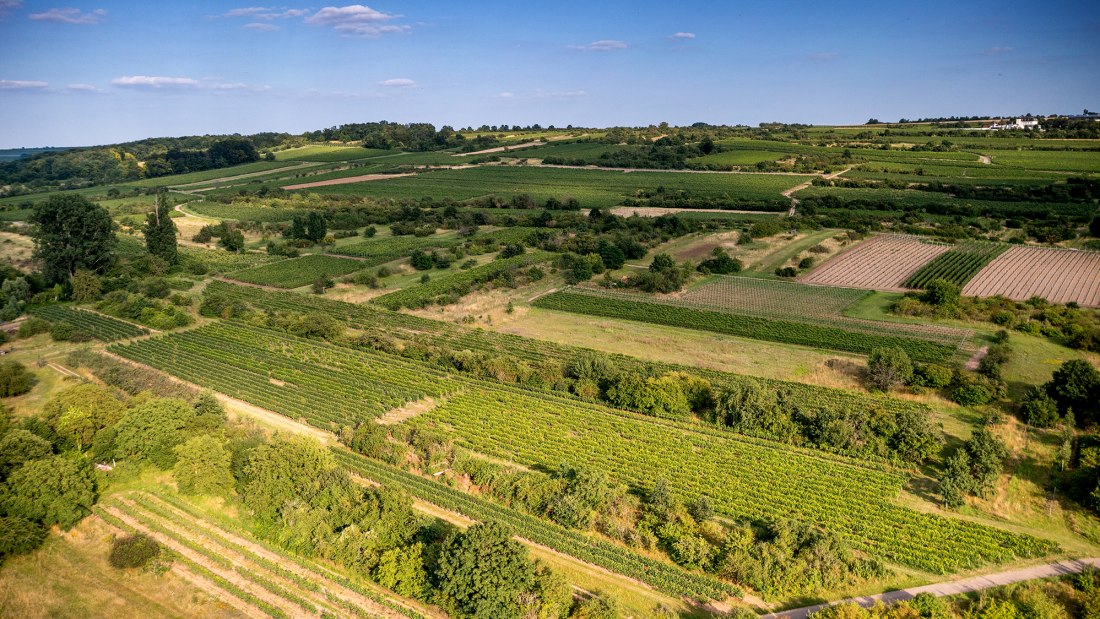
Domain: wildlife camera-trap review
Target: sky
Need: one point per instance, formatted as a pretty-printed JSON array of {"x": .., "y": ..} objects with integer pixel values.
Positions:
[{"x": 76, "y": 73}]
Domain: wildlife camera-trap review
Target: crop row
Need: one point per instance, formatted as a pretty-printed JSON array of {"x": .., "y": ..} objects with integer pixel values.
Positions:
[
  {"x": 96, "y": 325},
  {"x": 327, "y": 386},
  {"x": 381, "y": 251},
  {"x": 224, "y": 530},
  {"x": 744, "y": 481},
  {"x": 958, "y": 265},
  {"x": 297, "y": 271},
  {"x": 820, "y": 305},
  {"x": 458, "y": 283},
  {"x": 453, "y": 337},
  {"x": 594, "y": 303},
  {"x": 660, "y": 575}
]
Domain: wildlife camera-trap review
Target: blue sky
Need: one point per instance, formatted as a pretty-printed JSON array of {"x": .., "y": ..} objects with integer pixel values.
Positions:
[{"x": 80, "y": 73}]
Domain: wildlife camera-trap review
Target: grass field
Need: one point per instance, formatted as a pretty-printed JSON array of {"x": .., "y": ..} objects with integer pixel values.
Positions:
[
  {"x": 297, "y": 272},
  {"x": 208, "y": 175},
  {"x": 327, "y": 153},
  {"x": 593, "y": 188}
]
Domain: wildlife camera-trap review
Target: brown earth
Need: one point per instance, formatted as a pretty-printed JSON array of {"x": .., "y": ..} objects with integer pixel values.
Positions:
[
  {"x": 345, "y": 181},
  {"x": 1058, "y": 275},
  {"x": 883, "y": 262}
]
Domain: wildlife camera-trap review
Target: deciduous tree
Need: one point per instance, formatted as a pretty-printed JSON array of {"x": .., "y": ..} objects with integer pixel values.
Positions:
[{"x": 71, "y": 233}]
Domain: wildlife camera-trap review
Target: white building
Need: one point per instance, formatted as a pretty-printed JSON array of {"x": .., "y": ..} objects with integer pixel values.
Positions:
[{"x": 1017, "y": 123}]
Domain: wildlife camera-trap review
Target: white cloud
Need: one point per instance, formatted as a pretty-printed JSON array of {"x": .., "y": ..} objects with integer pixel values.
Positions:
[
  {"x": 997, "y": 51},
  {"x": 539, "y": 93},
  {"x": 506, "y": 95},
  {"x": 398, "y": 82},
  {"x": 83, "y": 88},
  {"x": 600, "y": 46},
  {"x": 824, "y": 56},
  {"x": 21, "y": 85},
  {"x": 356, "y": 20},
  {"x": 683, "y": 35},
  {"x": 262, "y": 26},
  {"x": 70, "y": 16},
  {"x": 7, "y": 6},
  {"x": 146, "y": 81},
  {"x": 247, "y": 11}
]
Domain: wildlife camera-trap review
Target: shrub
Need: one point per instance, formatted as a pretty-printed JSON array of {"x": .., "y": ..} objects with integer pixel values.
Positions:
[
  {"x": 133, "y": 551},
  {"x": 19, "y": 536},
  {"x": 970, "y": 392},
  {"x": 889, "y": 367},
  {"x": 932, "y": 376},
  {"x": 15, "y": 379},
  {"x": 786, "y": 272},
  {"x": 32, "y": 326}
]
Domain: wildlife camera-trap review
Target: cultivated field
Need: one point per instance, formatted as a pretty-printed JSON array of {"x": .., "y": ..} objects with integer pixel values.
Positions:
[
  {"x": 297, "y": 271},
  {"x": 883, "y": 262},
  {"x": 1058, "y": 275}
]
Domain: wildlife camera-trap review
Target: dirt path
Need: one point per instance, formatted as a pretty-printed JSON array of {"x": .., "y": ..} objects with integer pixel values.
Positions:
[
  {"x": 249, "y": 175},
  {"x": 408, "y": 411},
  {"x": 346, "y": 181},
  {"x": 216, "y": 592},
  {"x": 795, "y": 201},
  {"x": 986, "y": 159},
  {"x": 976, "y": 359},
  {"x": 500, "y": 149},
  {"x": 953, "y": 587}
]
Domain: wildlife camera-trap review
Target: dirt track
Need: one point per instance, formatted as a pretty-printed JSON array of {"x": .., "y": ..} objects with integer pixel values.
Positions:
[{"x": 345, "y": 181}]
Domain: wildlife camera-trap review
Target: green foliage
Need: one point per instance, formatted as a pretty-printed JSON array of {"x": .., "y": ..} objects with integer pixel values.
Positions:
[
  {"x": 1076, "y": 385},
  {"x": 72, "y": 233},
  {"x": 298, "y": 272},
  {"x": 941, "y": 293},
  {"x": 19, "y": 536},
  {"x": 401, "y": 570},
  {"x": 451, "y": 287},
  {"x": 599, "y": 606},
  {"x": 889, "y": 367},
  {"x": 483, "y": 572},
  {"x": 283, "y": 470},
  {"x": 956, "y": 266},
  {"x": 1039, "y": 409},
  {"x": 95, "y": 325},
  {"x": 53, "y": 490},
  {"x": 932, "y": 376},
  {"x": 87, "y": 286},
  {"x": 100, "y": 404},
  {"x": 19, "y": 446},
  {"x": 160, "y": 232},
  {"x": 15, "y": 379},
  {"x": 203, "y": 467},
  {"x": 141, "y": 309},
  {"x": 316, "y": 226},
  {"x": 153, "y": 429},
  {"x": 133, "y": 551}
]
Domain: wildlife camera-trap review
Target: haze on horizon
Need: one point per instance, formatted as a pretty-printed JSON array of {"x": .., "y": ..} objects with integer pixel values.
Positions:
[{"x": 83, "y": 73}]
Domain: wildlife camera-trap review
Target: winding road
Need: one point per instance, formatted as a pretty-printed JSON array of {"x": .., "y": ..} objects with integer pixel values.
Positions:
[{"x": 952, "y": 587}]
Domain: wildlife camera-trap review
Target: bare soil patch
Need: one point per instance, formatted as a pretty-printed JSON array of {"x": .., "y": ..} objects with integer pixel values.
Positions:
[
  {"x": 1058, "y": 275},
  {"x": 345, "y": 181},
  {"x": 408, "y": 411},
  {"x": 882, "y": 262}
]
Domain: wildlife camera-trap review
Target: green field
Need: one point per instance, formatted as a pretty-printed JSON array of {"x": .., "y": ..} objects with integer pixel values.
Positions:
[
  {"x": 297, "y": 272},
  {"x": 830, "y": 335},
  {"x": 243, "y": 211},
  {"x": 208, "y": 175},
  {"x": 326, "y": 153},
  {"x": 100, "y": 327},
  {"x": 593, "y": 188},
  {"x": 957, "y": 265},
  {"x": 458, "y": 283}
]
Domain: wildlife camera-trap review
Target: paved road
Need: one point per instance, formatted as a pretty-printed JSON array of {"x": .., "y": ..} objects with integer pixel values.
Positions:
[{"x": 953, "y": 587}]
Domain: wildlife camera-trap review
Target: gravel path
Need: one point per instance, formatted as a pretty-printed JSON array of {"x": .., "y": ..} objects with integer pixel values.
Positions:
[{"x": 953, "y": 587}]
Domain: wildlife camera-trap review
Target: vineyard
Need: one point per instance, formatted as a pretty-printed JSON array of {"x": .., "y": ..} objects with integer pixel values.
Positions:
[
  {"x": 660, "y": 575},
  {"x": 289, "y": 375},
  {"x": 250, "y": 575},
  {"x": 426, "y": 332},
  {"x": 768, "y": 298},
  {"x": 883, "y": 262},
  {"x": 220, "y": 261},
  {"x": 1057, "y": 275},
  {"x": 297, "y": 272},
  {"x": 745, "y": 480},
  {"x": 458, "y": 283},
  {"x": 100, "y": 327},
  {"x": 958, "y": 265},
  {"x": 381, "y": 251},
  {"x": 831, "y": 337}
]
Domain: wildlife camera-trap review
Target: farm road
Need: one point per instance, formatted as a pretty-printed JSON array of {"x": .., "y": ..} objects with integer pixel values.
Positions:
[
  {"x": 795, "y": 201},
  {"x": 953, "y": 587}
]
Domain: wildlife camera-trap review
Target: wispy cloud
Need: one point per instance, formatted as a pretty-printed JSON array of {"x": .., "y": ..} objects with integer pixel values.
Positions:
[
  {"x": 398, "y": 82},
  {"x": 151, "y": 81},
  {"x": 160, "y": 82},
  {"x": 823, "y": 56},
  {"x": 7, "y": 6},
  {"x": 997, "y": 51},
  {"x": 356, "y": 20},
  {"x": 262, "y": 26},
  {"x": 83, "y": 88},
  {"x": 601, "y": 46},
  {"x": 539, "y": 93},
  {"x": 22, "y": 85},
  {"x": 70, "y": 16},
  {"x": 682, "y": 36}
]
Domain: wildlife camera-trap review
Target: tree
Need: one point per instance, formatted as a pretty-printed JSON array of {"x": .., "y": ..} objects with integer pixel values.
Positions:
[
  {"x": 87, "y": 286},
  {"x": 483, "y": 571},
  {"x": 316, "y": 226},
  {"x": 19, "y": 536},
  {"x": 100, "y": 403},
  {"x": 401, "y": 570},
  {"x": 233, "y": 240},
  {"x": 1069, "y": 435},
  {"x": 1039, "y": 409},
  {"x": 1094, "y": 227},
  {"x": 152, "y": 430},
  {"x": 941, "y": 293},
  {"x": 283, "y": 470},
  {"x": 202, "y": 467},
  {"x": 889, "y": 367},
  {"x": 19, "y": 446},
  {"x": 298, "y": 227},
  {"x": 15, "y": 379},
  {"x": 1076, "y": 385},
  {"x": 956, "y": 482},
  {"x": 987, "y": 454},
  {"x": 599, "y": 606},
  {"x": 160, "y": 232},
  {"x": 70, "y": 233},
  {"x": 52, "y": 491}
]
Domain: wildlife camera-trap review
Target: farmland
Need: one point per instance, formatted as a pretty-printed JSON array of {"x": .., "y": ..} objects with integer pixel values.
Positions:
[
  {"x": 1058, "y": 275},
  {"x": 101, "y": 327},
  {"x": 460, "y": 283},
  {"x": 297, "y": 272},
  {"x": 832, "y": 337},
  {"x": 958, "y": 265},
  {"x": 884, "y": 262}
]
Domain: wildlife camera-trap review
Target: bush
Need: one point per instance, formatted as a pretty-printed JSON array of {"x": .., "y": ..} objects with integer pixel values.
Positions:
[
  {"x": 133, "y": 551},
  {"x": 19, "y": 536},
  {"x": 786, "y": 272},
  {"x": 889, "y": 367},
  {"x": 932, "y": 376},
  {"x": 970, "y": 392},
  {"x": 15, "y": 379},
  {"x": 32, "y": 326}
]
